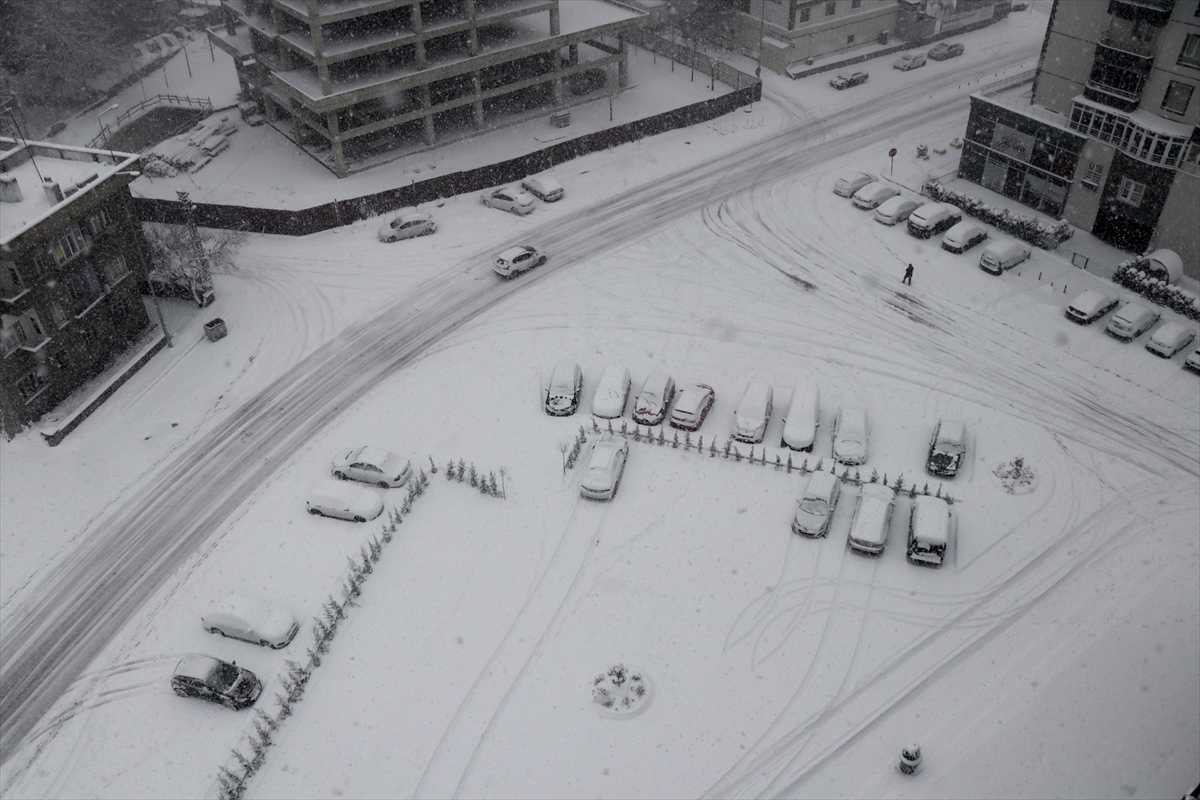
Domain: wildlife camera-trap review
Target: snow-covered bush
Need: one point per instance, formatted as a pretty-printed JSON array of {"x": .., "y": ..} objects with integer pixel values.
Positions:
[
  {"x": 621, "y": 692},
  {"x": 1038, "y": 233},
  {"x": 1015, "y": 476},
  {"x": 1132, "y": 274}
]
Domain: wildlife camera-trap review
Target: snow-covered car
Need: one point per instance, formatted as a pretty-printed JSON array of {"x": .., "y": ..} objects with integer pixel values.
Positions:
[
  {"x": 932, "y": 219},
  {"x": 850, "y": 432},
  {"x": 543, "y": 187},
  {"x": 344, "y": 501},
  {"x": 213, "y": 679},
  {"x": 847, "y": 186},
  {"x": 564, "y": 390},
  {"x": 872, "y": 519},
  {"x": 508, "y": 199},
  {"x": 947, "y": 448},
  {"x": 816, "y": 504},
  {"x": 602, "y": 477},
  {"x": 753, "y": 411},
  {"x": 692, "y": 407},
  {"x": 843, "y": 81},
  {"x": 612, "y": 392},
  {"x": 516, "y": 260},
  {"x": 1090, "y": 306},
  {"x": 1169, "y": 338},
  {"x": 373, "y": 465},
  {"x": 1192, "y": 362},
  {"x": 251, "y": 620},
  {"x": 896, "y": 210},
  {"x": 909, "y": 61},
  {"x": 1003, "y": 254},
  {"x": 943, "y": 50},
  {"x": 1131, "y": 321},
  {"x": 963, "y": 236},
  {"x": 406, "y": 226},
  {"x": 873, "y": 194},
  {"x": 930, "y": 526},
  {"x": 802, "y": 417},
  {"x": 650, "y": 406}
]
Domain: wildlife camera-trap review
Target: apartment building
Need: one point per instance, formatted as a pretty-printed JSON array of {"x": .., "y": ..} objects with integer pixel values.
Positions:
[
  {"x": 1108, "y": 137},
  {"x": 70, "y": 268},
  {"x": 360, "y": 82}
]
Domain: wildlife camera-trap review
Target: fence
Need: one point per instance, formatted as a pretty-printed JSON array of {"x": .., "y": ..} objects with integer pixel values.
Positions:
[
  {"x": 301, "y": 222},
  {"x": 690, "y": 58},
  {"x": 199, "y": 103}
]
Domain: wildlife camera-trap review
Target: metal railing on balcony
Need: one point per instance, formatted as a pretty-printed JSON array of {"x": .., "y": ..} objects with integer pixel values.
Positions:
[{"x": 1119, "y": 40}]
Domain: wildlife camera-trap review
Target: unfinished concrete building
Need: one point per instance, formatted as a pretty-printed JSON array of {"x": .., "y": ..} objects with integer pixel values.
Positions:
[{"x": 360, "y": 82}]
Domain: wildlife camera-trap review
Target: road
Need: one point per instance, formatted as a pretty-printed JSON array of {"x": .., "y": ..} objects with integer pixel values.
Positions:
[{"x": 60, "y": 624}]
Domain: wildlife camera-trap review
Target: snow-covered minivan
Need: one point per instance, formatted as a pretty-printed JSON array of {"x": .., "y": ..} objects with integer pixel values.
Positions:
[
  {"x": 929, "y": 529},
  {"x": 1131, "y": 321},
  {"x": 932, "y": 219},
  {"x": 803, "y": 416}
]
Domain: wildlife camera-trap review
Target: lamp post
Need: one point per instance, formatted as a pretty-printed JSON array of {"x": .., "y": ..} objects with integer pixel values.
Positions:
[
  {"x": 104, "y": 130},
  {"x": 762, "y": 14}
]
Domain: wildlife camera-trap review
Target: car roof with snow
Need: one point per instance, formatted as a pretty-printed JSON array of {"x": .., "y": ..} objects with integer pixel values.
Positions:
[
  {"x": 1170, "y": 332},
  {"x": 1091, "y": 300},
  {"x": 512, "y": 252},
  {"x": 820, "y": 484},
  {"x": 931, "y": 518},
  {"x": 951, "y": 432}
]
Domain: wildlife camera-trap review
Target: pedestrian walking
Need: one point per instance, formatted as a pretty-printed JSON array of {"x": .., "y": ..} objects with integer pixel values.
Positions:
[{"x": 908, "y": 273}]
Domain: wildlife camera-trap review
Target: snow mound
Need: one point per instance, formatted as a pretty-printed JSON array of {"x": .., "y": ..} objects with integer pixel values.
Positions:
[
  {"x": 1016, "y": 477},
  {"x": 621, "y": 692}
]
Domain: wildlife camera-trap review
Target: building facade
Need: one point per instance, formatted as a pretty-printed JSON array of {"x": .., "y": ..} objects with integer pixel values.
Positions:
[
  {"x": 1108, "y": 139},
  {"x": 70, "y": 268},
  {"x": 359, "y": 83}
]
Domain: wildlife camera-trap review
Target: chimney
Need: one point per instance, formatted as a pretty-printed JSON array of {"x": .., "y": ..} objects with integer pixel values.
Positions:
[
  {"x": 53, "y": 193},
  {"x": 10, "y": 190}
]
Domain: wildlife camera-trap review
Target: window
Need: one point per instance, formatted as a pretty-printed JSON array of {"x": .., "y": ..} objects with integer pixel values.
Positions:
[
  {"x": 830, "y": 7},
  {"x": 1178, "y": 96},
  {"x": 1131, "y": 192},
  {"x": 69, "y": 244},
  {"x": 855, "y": 3},
  {"x": 100, "y": 221},
  {"x": 850, "y": 39},
  {"x": 1190, "y": 54},
  {"x": 30, "y": 385},
  {"x": 61, "y": 359},
  {"x": 115, "y": 270},
  {"x": 805, "y": 14},
  {"x": 40, "y": 267},
  {"x": 60, "y": 317},
  {"x": 10, "y": 279},
  {"x": 33, "y": 323},
  {"x": 85, "y": 289},
  {"x": 1094, "y": 173},
  {"x": 18, "y": 329}
]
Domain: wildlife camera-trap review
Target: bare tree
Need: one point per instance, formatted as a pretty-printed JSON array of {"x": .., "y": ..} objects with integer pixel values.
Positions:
[{"x": 183, "y": 258}]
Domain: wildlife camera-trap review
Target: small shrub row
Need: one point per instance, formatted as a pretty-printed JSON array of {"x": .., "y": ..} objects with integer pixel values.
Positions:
[
  {"x": 1132, "y": 274},
  {"x": 1030, "y": 229},
  {"x": 486, "y": 484}
]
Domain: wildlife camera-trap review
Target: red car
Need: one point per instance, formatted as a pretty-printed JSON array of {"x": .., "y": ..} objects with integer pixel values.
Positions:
[{"x": 692, "y": 407}]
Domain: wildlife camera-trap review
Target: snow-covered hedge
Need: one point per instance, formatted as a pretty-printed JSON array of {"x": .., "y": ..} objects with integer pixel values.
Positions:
[
  {"x": 1132, "y": 274},
  {"x": 1037, "y": 233}
]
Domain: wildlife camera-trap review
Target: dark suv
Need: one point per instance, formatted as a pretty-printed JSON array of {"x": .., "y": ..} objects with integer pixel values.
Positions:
[
  {"x": 213, "y": 679},
  {"x": 944, "y": 50},
  {"x": 845, "y": 81}
]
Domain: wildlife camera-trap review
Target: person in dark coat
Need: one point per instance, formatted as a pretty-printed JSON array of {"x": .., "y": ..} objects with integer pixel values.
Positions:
[{"x": 908, "y": 273}]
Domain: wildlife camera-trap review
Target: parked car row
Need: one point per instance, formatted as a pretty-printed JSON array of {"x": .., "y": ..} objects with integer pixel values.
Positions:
[
  {"x": 931, "y": 523},
  {"x": 506, "y": 198},
  {"x": 939, "y": 52},
  {"x": 1132, "y": 320}
]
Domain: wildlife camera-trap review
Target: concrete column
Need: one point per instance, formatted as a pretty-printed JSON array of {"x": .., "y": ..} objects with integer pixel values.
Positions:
[
  {"x": 230, "y": 21},
  {"x": 269, "y": 108},
  {"x": 573, "y": 54},
  {"x": 554, "y": 20},
  {"x": 623, "y": 63},
  {"x": 430, "y": 134},
  {"x": 326, "y": 81},
  {"x": 297, "y": 131},
  {"x": 335, "y": 142},
  {"x": 473, "y": 31},
  {"x": 419, "y": 28},
  {"x": 477, "y": 106},
  {"x": 558, "y": 78}
]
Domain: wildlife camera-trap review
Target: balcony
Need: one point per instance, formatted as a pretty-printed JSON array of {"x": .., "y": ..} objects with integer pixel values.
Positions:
[
  {"x": 1129, "y": 44},
  {"x": 1155, "y": 12},
  {"x": 1117, "y": 78}
]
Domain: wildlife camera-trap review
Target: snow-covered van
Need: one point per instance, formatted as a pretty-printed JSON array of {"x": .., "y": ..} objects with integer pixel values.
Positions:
[
  {"x": 932, "y": 219},
  {"x": 872, "y": 519},
  {"x": 1131, "y": 321},
  {"x": 803, "y": 416},
  {"x": 753, "y": 411},
  {"x": 929, "y": 528},
  {"x": 1002, "y": 254}
]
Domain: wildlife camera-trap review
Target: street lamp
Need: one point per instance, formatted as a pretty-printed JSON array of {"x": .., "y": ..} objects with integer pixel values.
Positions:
[
  {"x": 104, "y": 130},
  {"x": 762, "y": 14}
]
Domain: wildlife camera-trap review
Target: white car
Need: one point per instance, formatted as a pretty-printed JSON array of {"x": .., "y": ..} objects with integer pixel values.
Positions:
[
  {"x": 896, "y": 210},
  {"x": 612, "y": 392},
  {"x": 692, "y": 407},
  {"x": 344, "y": 501},
  {"x": 909, "y": 61},
  {"x": 544, "y": 188},
  {"x": 930, "y": 527},
  {"x": 251, "y": 620},
  {"x": 873, "y": 194},
  {"x": 815, "y": 506},
  {"x": 650, "y": 407},
  {"x": 516, "y": 260},
  {"x": 872, "y": 519},
  {"x": 850, "y": 432},
  {"x": 1131, "y": 321},
  {"x": 753, "y": 411},
  {"x": 508, "y": 199},
  {"x": 406, "y": 226},
  {"x": 963, "y": 236},
  {"x": 1169, "y": 338},
  {"x": 947, "y": 448},
  {"x": 602, "y": 477},
  {"x": 846, "y": 187},
  {"x": 373, "y": 465},
  {"x": 564, "y": 389},
  {"x": 1090, "y": 306}
]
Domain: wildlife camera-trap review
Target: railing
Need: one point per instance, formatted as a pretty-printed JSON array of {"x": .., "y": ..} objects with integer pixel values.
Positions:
[
  {"x": 1127, "y": 44},
  {"x": 690, "y": 58},
  {"x": 1007, "y": 83},
  {"x": 202, "y": 103}
]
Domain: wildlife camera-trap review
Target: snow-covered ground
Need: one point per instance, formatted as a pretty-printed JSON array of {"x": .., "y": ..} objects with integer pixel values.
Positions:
[{"x": 1055, "y": 654}]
